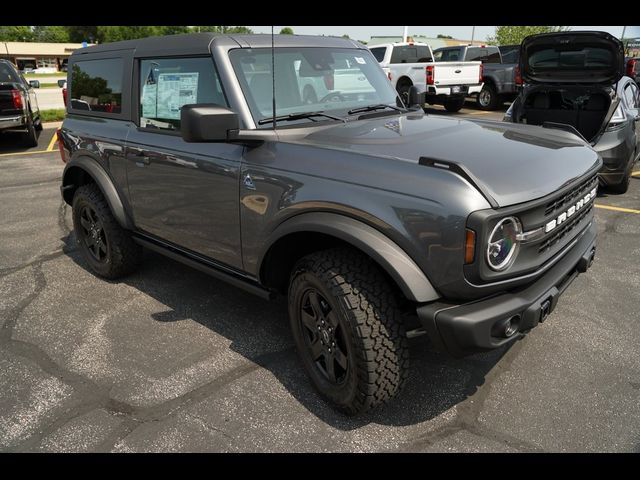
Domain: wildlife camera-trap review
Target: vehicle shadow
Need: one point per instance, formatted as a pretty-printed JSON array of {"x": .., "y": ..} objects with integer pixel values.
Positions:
[
  {"x": 11, "y": 142},
  {"x": 259, "y": 331}
]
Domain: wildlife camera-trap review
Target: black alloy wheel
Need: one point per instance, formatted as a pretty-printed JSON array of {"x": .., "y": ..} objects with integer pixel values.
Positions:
[
  {"x": 93, "y": 235},
  {"x": 324, "y": 337}
]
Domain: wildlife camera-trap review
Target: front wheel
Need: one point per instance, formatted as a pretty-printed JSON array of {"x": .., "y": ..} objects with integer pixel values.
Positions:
[
  {"x": 454, "y": 105},
  {"x": 347, "y": 329}
]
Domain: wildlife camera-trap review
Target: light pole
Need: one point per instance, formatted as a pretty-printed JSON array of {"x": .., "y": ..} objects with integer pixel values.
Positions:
[
  {"x": 624, "y": 29},
  {"x": 473, "y": 34}
]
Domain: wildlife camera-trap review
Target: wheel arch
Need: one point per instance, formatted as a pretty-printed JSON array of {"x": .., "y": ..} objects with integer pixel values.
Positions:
[
  {"x": 309, "y": 232},
  {"x": 403, "y": 80},
  {"x": 83, "y": 170}
]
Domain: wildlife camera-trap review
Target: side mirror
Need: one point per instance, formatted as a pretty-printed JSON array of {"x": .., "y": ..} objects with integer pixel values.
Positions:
[
  {"x": 635, "y": 113},
  {"x": 416, "y": 98},
  {"x": 61, "y": 83},
  {"x": 207, "y": 122},
  {"x": 34, "y": 83}
]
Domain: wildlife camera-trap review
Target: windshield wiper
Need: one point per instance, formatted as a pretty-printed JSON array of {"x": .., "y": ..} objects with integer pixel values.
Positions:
[
  {"x": 299, "y": 116},
  {"x": 372, "y": 108}
]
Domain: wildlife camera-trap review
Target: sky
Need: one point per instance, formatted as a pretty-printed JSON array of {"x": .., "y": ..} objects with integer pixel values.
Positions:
[{"x": 462, "y": 33}]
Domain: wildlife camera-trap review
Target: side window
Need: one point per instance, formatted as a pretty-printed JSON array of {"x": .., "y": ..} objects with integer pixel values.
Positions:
[
  {"x": 96, "y": 85},
  {"x": 474, "y": 55},
  {"x": 424, "y": 54},
  {"x": 437, "y": 55},
  {"x": 378, "y": 53},
  {"x": 166, "y": 84},
  {"x": 451, "y": 55}
]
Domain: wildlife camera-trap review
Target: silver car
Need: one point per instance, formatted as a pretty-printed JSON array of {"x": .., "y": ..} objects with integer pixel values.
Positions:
[{"x": 576, "y": 81}]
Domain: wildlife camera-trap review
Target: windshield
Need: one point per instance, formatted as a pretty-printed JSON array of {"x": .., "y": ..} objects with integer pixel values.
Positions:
[{"x": 328, "y": 80}]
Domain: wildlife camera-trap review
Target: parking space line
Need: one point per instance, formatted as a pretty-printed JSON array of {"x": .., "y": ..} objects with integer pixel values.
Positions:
[
  {"x": 617, "y": 209},
  {"x": 24, "y": 153},
  {"x": 53, "y": 141}
]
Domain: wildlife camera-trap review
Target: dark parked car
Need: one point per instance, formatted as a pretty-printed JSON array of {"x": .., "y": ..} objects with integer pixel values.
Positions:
[
  {"x": 372, "y": 220},
  {"x": 18, "y": 104},
  {"x": 500, "y": 71},
  {"x": 575, "y": 80}
]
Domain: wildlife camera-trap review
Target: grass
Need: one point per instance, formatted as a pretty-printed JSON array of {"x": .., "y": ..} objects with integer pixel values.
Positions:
[
  {"x": 54, "y": 115},
  {"x": 49, "y": 85}
]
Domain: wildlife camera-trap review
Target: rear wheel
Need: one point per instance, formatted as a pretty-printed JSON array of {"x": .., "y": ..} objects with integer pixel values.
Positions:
[
  {"x": 347, "y": 329},
  {"x": 454, "y": 104},
  {"x": 108, "y": 248},
  {"x": 30, "y": 137},
  {"x": 488, "y": 98},
  {"x": 403, "y": 91}
]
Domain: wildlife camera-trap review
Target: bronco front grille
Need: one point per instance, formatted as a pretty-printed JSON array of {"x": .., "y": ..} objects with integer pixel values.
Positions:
[
  {"x": 566, "y": 199},
  {"x": 566, "y": 228}
]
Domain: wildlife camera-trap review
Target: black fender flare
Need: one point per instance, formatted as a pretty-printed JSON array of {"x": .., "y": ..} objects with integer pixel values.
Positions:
[
  {"x": 394, "y": 260},
  {"x": 92, "y": 168}
]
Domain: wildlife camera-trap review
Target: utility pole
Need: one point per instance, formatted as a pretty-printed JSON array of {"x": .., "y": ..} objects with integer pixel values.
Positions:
[
  {"x": 405, "y": 34},
  {"x": 624, "y": 29},
  {"x": 473, "y": 34}
]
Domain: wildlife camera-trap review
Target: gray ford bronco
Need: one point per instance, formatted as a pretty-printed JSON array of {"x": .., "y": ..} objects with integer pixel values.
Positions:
[{"x": 373, "y": 219}]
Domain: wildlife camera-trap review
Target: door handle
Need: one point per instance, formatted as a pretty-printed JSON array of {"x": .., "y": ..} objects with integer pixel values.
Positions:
[{"x": 141, "y": 158}]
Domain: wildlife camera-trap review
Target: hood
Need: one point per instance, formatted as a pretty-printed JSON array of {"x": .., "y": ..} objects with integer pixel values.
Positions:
[
  {"x": 512, "y": 163},
  {"x": 572, "y": 57}
]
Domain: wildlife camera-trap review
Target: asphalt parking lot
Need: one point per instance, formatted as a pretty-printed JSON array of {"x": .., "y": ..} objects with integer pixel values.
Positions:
[{"x": 172, "y": 360}]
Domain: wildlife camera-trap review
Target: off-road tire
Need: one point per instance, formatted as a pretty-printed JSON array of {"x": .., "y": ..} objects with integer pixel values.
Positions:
[
  {"x": 122, "y": 255},
  {"x": 30, "y": 137},
  {"x": 372, "y": 333}
]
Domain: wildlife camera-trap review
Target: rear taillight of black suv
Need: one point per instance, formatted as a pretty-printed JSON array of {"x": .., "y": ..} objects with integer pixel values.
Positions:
[
  {"x": 18, "y": 101},
  {"x": 518, "y": 76}
]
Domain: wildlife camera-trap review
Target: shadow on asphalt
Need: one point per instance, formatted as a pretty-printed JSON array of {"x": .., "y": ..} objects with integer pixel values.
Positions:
[
  {"x": 437, "y": 381},
  {"x": 12, "y": 141}
]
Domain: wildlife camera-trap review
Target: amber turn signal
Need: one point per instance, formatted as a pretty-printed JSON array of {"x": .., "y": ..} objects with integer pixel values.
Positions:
[{"x": 470, "y": 247}]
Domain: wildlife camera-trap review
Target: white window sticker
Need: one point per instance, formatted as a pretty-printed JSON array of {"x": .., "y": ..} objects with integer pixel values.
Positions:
[
  {"x": 360, "y": 60},
  {"x": 173, "y": 91}
]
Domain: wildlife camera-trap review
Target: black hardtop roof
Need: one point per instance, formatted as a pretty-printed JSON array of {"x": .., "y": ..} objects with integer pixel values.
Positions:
[{"x": 201, "y": 43}]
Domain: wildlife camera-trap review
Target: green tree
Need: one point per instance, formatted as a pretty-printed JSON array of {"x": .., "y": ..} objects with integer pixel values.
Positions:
[
  {"x": 443, "y": 36},
  {"x": 346, "y": 36},
  {"x": 79, "y": 34},
  {"x": 513, "y": 35},
  {"x": 173, "y": 30},
  {"x": 222, "y": 29},
  {"x": 126, "y": 32},
  {"x": 53, "y": 34},
  {"x": 286, "y": 31},
  {"x": 15, "y": 33}
]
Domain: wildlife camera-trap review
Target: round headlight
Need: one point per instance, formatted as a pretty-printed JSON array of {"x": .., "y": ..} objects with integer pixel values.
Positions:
[{"x": 503, "y": 244}]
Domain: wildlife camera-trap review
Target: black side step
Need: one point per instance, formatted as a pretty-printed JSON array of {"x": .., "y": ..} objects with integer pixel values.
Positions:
[
  {"x": 204, "y": 266},
  {"x": 463, "y": 172}
]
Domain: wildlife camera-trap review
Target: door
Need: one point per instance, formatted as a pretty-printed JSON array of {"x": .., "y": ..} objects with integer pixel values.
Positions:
[{"x": 183, "y": 193}]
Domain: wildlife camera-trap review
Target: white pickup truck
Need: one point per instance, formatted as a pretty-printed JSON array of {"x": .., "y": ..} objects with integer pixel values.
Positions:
[{"x": 409, "y": 64}]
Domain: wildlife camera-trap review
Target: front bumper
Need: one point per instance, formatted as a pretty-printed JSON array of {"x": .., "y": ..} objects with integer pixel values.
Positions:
[
  {"x": 463, "y": 329},
  {"x": 17, "y": 121}
]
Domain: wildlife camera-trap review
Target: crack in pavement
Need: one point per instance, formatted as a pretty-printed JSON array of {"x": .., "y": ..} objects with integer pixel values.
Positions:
[
  {"x": 31, "y": 184},
  {"x": 94, "y": 396},
  {"x": 468, "y": 412}
]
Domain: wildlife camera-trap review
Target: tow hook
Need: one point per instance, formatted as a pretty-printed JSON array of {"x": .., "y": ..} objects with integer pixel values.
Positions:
[{"x": 586, "y": 261}]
